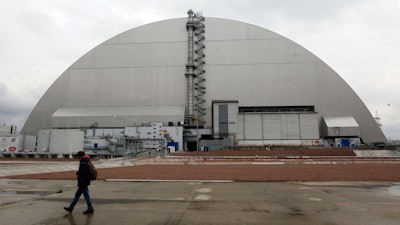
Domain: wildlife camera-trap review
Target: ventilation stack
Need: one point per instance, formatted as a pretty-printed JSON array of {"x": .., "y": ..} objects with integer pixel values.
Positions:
[{"x": 195, "y": 109}]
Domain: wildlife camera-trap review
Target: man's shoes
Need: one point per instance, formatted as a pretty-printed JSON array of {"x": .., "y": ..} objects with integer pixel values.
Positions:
[
  {"x": 89, "y": 211},
  {"x": 68, "y": 209}
]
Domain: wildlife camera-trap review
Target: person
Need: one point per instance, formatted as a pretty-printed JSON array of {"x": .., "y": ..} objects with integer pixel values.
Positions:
[{"x": 83, "y": 177}]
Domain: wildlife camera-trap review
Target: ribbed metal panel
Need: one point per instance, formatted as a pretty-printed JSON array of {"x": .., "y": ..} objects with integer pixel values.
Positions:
[
  {"x": 290, "y": 123},
  {"x": 309, "y": 126},
  {"x": 275, "y": 126},
  {"x": 253, "y": 126},
  {"x": 272, "y": 126}
]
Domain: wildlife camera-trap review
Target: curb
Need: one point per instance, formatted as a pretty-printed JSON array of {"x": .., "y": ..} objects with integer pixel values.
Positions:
[{"x": 153, "y": 180}]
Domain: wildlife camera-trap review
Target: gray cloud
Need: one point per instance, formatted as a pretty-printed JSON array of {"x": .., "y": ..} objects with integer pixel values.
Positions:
[{"x": 3, "y": 89}]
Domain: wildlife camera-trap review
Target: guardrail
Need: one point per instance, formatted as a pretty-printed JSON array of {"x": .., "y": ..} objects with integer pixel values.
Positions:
[
  {"x": 144, "y": 153},
  {"x": 28, "y": 155}
]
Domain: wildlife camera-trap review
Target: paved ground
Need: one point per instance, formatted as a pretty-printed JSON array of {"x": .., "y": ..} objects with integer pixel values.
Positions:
[
  {"x": 357, "y": 192},
  {"x": 195, "y": 202}
]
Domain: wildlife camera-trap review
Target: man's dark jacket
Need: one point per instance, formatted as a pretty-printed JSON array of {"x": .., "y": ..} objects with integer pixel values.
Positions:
[{"x": 83, "y": 174}]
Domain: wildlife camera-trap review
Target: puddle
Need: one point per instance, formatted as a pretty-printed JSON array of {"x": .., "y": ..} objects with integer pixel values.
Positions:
[
  {"x": 26, "y": 192},
  {"x": 8, "y": 192},
  {"x": 204, "y": 190},
  {"x": 394, "y": 190},
  {"x": 202, "y": 197}
]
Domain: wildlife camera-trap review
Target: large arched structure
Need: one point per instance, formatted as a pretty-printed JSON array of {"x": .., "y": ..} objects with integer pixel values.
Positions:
[{"x": 144, "y": 69}]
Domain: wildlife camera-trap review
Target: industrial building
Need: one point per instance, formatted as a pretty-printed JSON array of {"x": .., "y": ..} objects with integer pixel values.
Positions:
[{"x": 197, "y": 83}]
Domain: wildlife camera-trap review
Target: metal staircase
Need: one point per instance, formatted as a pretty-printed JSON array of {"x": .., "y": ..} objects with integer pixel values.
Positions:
[{"x": 196, "y": 90}]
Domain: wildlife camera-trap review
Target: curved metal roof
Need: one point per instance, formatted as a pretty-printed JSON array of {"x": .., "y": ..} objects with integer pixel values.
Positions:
[{"x": 145, "y": 66}]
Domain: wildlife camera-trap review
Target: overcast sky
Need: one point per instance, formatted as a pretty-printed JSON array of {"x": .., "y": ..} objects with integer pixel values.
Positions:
[{"x": 359, "y": 39}]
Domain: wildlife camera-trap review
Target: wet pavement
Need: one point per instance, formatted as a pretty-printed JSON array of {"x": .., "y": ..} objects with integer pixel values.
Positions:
[
  {"x": 12, "y": 167},
  {"x": 202, "y": 202}
]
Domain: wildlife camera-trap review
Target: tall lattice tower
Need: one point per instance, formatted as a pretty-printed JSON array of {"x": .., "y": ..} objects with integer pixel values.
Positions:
[{"x": 196, "y": 90}]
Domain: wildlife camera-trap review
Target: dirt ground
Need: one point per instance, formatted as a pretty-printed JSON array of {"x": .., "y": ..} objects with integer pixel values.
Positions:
[
  {"x": 249, "y": 170},
  {"x": 243, "y": 172}
]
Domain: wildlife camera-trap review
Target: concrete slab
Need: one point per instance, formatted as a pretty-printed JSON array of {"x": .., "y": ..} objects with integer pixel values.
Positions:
[
  {"x": 33, "y": 167},
  {"x": 377, "y": 153},
  {"x": 197, "y": 202}
]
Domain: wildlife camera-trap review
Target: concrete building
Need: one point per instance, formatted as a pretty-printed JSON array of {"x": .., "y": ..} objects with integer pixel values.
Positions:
[{"x": 211, "y": 82}]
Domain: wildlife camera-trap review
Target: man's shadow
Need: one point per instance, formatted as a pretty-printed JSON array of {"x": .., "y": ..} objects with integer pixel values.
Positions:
[{"x": 71, "y": 219}]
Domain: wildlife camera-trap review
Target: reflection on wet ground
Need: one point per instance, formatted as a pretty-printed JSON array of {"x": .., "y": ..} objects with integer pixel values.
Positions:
[
  {"x": 196, "y": 202},
  {"x": 394, "y": 190}
]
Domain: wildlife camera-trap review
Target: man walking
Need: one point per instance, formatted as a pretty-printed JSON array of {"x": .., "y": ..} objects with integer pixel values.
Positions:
[{"x": 83, "y": 176}]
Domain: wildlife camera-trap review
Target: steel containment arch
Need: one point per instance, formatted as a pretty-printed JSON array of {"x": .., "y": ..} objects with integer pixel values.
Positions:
[{"x": 193, "y": 64}]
